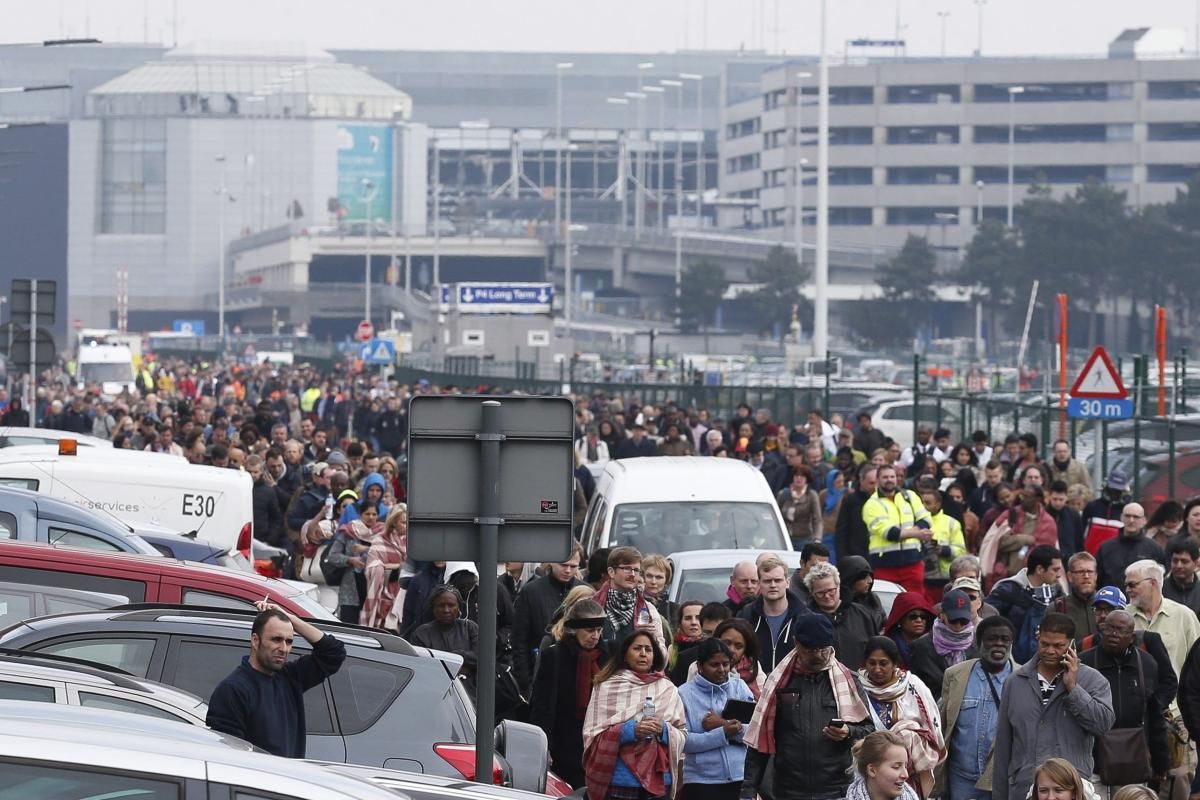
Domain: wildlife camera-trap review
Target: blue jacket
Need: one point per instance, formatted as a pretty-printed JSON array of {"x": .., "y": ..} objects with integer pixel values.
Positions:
[{"x": 708, "y": 756}]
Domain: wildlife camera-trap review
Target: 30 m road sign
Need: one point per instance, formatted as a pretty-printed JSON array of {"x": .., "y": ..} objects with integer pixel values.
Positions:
[{"x": 1096, "y": 408}]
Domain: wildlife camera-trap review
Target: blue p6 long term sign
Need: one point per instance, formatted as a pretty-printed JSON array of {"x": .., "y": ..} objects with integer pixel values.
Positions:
[{"x": 504, "y": 298}]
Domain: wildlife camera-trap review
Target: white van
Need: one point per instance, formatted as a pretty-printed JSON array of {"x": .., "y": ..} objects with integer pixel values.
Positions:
[
  {"x": 667, "y": 504},
  {"x": 109, "y": 365},
  {"x": 140, "y": 487}
]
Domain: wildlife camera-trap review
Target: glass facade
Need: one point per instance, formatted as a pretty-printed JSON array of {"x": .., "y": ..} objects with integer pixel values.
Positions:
[
  {"x": 923, "y": 176},
  {"x": 1042, "y": 92},
  {"x": 1049, "y": 173},
  {"x": 929, "y": 134},
  {"x": 941, "y": 93},
  {"x": 133, "y": 185},
  {"x": 1030, "y": 134}
]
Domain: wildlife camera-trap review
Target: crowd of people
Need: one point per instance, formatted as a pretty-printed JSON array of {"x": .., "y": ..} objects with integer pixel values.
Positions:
[{"x": 1021, "y": 646}]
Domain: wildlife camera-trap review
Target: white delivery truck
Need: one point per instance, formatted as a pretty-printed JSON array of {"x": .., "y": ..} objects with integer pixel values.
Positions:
[
  {"x": 108, "y": 365},
  {"x": 140, "y": 487}
]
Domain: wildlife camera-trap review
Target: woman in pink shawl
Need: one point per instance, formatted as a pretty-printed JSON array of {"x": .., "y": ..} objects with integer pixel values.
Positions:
[
  {"x": 387, "y": 555},
  {"x": 629, "y": 754}
]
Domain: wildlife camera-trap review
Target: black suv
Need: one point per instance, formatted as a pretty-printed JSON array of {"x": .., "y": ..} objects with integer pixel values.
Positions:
[{"x": 390, "y": 705}]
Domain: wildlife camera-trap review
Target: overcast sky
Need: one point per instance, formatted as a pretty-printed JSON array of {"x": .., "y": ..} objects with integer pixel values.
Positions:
[{"x": 1026, "y": 27}]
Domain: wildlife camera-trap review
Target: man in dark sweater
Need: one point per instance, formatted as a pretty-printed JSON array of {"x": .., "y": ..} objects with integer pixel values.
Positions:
[
  {"x": 850, "y": 535},
  {"x": 262, "y": 701}
]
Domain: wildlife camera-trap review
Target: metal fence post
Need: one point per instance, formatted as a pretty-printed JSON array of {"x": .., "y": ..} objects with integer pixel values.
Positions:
[
  {"x": 916, "y": 394},
  {"x": 825, "y": 405},
  {"x": 1183, "y": 378},
  {"x": 1045, "y": 438},
  {"x": 1171, "y": 455},
  {"x": 1137, "y": 423}
]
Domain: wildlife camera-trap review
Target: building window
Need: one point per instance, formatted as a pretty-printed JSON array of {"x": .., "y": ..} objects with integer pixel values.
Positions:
[
  {"x": 1174, "y": 132},
  {"x": 741, "y": 163},
  {"x": 940, "y": 93},
  {"x": 920, "y": 215},
  {"x": 930, "y": 134},
  {"x": 775, "y": 99},
  {"x": 849, "y": 176},
  {"x": 1042, "y": 92},
  {"x": 845, "y": 95},
  {"x": 1174, "y": 90},
  {"x": 747, "y": 127},
  {"x": 845, "y": 135},
  {"x": 849, "y": 215},
  {"x": 1028, "y": 134},
  {"x": 940, "y": 176},
  {"x": 1171, "y": 173},
  {"x": 1051, "y": 173},
  {"x": 776, "y": 177},
  {"x": 133, "y": 185},
  {"x": 1118, "y": 173},
  {"x": 775, "y": 139}
]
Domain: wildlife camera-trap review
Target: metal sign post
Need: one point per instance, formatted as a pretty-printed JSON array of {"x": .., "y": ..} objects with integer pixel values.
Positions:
[{"x": 519, "y": 452}]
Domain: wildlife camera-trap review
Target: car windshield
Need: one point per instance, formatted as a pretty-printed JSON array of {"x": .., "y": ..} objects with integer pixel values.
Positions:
[
  {"x": 312, "y": 608},
  {"x": 106, "y": 373},
  {"x": 705, "y": 585},
  {"x": 678, "y": 526}
]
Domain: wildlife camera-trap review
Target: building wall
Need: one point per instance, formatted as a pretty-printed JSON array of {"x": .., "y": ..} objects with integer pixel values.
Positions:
[{"x": 885, "y": 185}]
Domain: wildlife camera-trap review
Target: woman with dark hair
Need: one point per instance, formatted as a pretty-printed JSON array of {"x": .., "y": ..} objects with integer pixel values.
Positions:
[
  {"x": 611, "y": 435},
  {"x": 739, "y": 637},
  {"x": 801, "y": 508},
  {"x": 1165, "y": 523},
  {"x": 449, "y": 631},
  {"x": 962, "y": 456},
  {"x": 902, "y": 704},
  {"x": 562, "y": 686},
  {"x": 635, "y": 728},
  {"x": 714, "y": 755}
]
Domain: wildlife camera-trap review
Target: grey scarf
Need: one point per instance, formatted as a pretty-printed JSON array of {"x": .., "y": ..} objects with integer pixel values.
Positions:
[{"x": 619, "y": 607}]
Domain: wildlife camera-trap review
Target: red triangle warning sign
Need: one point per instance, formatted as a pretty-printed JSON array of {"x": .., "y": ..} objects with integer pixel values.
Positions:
[{"x": 1099, "y": 378}]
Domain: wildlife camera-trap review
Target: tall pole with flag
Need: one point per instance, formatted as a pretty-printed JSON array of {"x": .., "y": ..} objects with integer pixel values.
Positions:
[{"x": 1062, "y": 365}]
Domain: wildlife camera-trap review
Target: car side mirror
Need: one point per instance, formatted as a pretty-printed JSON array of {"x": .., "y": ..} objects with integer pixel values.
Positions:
[{"x": 525, "y": 748}]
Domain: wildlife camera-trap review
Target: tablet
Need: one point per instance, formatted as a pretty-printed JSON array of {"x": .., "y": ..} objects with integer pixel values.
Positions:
[{"x": 741, "y": 710}]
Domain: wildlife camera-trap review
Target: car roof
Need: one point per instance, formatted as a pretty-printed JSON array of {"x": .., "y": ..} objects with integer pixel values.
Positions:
[
  {"x": 101, "y": 738},
  {"x": 107, "y": 455},
  {"x": 228, "y": 622},
  {"x": 642, "y": 480},
  {"x": 42, "y": 665},
  {"x": 56, "y": 510},
  {"x": 52, "y": 434},
  {"x": 709, "y": 559},
  {"x": 149, "y": 563},
  {"x": 424, "y": 783}
]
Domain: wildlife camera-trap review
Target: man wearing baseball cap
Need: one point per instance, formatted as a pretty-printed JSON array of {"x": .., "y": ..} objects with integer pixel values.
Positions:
[
  {"x": 1108, "y": 599},
  {"x": 950, "y": 642},
  {"x": 807, "y": 693}
]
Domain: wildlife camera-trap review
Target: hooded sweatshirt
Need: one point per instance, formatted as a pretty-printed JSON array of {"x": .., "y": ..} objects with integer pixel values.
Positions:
[{"x": 708, "y": 756}]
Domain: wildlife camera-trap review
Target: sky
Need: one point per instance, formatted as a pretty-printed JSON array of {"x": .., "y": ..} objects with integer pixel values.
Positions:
[{"x": 1010, "y": 27}]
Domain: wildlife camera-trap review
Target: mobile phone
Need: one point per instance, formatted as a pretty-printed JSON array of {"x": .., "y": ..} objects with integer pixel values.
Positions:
[{"x": 837, "y": 723}]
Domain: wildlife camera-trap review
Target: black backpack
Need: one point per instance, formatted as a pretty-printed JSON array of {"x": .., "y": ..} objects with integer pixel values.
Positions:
[{"x": 333, "y": 574}]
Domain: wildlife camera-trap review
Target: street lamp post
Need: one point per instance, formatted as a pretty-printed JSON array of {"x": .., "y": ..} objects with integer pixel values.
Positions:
[
  {"x": 660, "y": 93},
  {"x": 567, "y": 255},
  {"x": 979, "y": 202},
  {"x": 1013, "y": 91},
  {"x": 943, "y": 16},
  {"x": 221, "y": 193},
  {"x": 699, "y": 79},
  {"x": 677, "y": 176},
  {"x": 559, "y": 68},
  {"x": 368, "y": 188},
  {"x": 800, "y": 162},
  {"x": 821, "y": 270},
  {"x": 979, "y": 4}
]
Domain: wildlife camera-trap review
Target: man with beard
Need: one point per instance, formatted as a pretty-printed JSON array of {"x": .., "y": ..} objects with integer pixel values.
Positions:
[
  {"x": 1067, "y": 469},
  {"x": 1081, "y": 577},
  {"x": 899, "y": 529},
  {"x": 262, "y": 701},
  {"x": 1052, "y": 706},
  {"x": 969, "y": 706}
]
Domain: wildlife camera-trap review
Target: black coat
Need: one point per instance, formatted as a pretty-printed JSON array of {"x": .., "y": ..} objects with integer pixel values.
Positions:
[
  {"x": 1070, "y": 530},
  {"x": 1189, "y": 693},
  {"x": 853, "y": 625},
  {"x": 1134, "y": 704},
  {"x": 552, "y": 705},
  {"x": 1168, "y": 684},
  {"x": 808, "y": 764},
  {"x": 631, "y": 449},
  {"x": 416, "y": 597},
  {"x": 535, "y": 607},
  {"x": 850, "y": 534},
  {"x": 930, "y": 666},
  {"x": 1185, "y": 595},
  {"x": 268, "y": 516},
  {"x": 1118, "y": 553}
]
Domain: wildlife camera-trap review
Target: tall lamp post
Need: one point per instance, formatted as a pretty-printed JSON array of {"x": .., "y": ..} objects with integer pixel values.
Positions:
[
  {"x": 979, "y": 4},
  {"x": 222, "y": 192},
  {"x": 559, "y": 68},
  {"x": 800, "y": 162},
  {"x": 979, "y": 202},
  {"x": 821, "y": 269},
  {"x": 659, "y": 92},
  {"x": 368, "y": 189},
  {"x": 1013, "y": 91},
  {"x": 677, "y": 174},
  {"x": 943, "y": 16},
  {"x": 699, "y": 79}
]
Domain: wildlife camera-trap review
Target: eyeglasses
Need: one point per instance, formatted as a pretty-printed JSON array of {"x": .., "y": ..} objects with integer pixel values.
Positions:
[
  {"x": 630, "y": 569},
  {"x": 1134, "y": 584},
  {"x": 1083, "y": 572},
  {"x": 826, "y": 592}
]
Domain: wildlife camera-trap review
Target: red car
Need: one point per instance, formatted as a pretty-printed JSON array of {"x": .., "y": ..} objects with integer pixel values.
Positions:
[
  {"x": 149, "y": 579},
  {"x": 1154, "y": 484}
]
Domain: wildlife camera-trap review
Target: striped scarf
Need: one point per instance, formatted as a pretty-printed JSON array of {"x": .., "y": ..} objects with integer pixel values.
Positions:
[{"x": 761, "y": 733}]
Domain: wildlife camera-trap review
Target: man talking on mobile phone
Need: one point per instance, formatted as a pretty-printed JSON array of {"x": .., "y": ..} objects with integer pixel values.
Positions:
[
  {"x": 810, "y": 713},
  {"x": 1053, "y": 706},
  {"x": 262, "y": 701}
]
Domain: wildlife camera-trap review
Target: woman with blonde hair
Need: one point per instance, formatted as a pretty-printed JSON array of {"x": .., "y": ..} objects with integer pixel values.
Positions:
[
  {"x": 1057, "y": 779},
  {"x": 880, "y": 769},
  {"x": 558, "y": 625},
  {"x": 385, "y": 559}
]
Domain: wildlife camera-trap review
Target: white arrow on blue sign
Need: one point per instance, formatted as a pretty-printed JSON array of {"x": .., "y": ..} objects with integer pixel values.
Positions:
[
  {"x": 1097, "y": 408},
  {"x": 378, "y": 351}
]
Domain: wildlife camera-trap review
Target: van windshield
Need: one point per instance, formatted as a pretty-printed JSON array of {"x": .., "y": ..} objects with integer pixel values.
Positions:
[
  {"x": 677, "y": 526},
  {"x": 106, "y": 373}
]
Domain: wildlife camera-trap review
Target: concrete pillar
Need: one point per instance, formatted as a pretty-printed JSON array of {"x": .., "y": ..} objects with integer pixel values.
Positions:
[{"x": 618, "y": 267}]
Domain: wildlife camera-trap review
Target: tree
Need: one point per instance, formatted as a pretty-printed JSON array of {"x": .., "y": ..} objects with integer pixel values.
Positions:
[
  {"x": 704, "y": 284},
  {"x": 992, "y": 260},
  {"x": 908, "y": 296},
  {"x": 781, "y": 275}
]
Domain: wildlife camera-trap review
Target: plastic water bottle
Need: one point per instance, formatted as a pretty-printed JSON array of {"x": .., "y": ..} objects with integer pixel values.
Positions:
[
  {"x": 329, "y": 507},
  {"x": 648, "y": 710}
]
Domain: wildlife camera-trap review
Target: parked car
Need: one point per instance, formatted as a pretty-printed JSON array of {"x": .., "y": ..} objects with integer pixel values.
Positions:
[
  {"x": 22, "y": 601},
  {"x": 704, "y": 575},
  {"x": 26, "y": 516},
  {"x": 12, "y": 436},
  {"x": 61, "y": 753},
  {"x": 1154, "y": 478},
  {"x": 154, "y": 579},
  {"x": 660, "y": 505},
  {"x": 187, "y": 547},
  {"x": 363, "y": 715},
  {"x": 45, "y": 678},
  {"x": 437, "y": 787},
  {"x": 893, "y": 417}
]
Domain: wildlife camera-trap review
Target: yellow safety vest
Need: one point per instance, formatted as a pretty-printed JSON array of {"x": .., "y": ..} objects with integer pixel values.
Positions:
[
  {"x": 881, "y": 515},
  {"x": 947, "y": 532}
]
